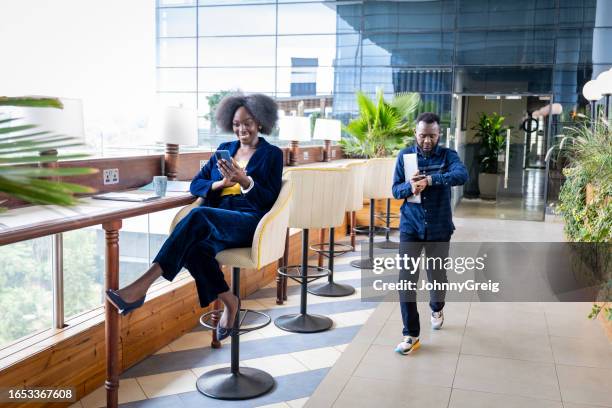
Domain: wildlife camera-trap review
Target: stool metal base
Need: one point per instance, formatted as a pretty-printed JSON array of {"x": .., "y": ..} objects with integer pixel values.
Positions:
[
  {"x": 247, "y": 383},
  {"x": 331, "y": 289},
  {"x": 387, "y": 245},
  {"x": 364, "y": 263},
  {"x": 303, "y": 323}
]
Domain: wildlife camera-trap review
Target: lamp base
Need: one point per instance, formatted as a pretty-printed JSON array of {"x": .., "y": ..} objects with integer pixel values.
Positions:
[
  {"x": 294, "y": 149},
  {"x": 171, "y": 160}
]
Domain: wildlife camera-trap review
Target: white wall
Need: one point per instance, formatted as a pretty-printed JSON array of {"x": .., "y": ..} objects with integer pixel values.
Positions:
[{"x": 101, "y": 51}]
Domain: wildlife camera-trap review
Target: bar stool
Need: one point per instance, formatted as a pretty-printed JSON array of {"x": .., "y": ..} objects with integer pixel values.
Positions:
[
  {"x": 378, "y": 184},
  {"x": 235, "y": 382},
  {"x": 318, "y": 201},
  {"x": 354, "y": 202},
  {"x": 387, "y": 243}
]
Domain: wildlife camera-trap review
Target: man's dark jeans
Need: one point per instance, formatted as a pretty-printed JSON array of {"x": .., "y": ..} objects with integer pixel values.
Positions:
[{"x": 412, "y": 246}]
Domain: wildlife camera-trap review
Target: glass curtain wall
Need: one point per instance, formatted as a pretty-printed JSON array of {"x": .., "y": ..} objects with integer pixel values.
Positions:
[{"x": 333, "y": 48}]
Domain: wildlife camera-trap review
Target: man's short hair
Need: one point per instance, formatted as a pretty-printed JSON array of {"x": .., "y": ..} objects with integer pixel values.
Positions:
[{"x": 428, "y": 117}]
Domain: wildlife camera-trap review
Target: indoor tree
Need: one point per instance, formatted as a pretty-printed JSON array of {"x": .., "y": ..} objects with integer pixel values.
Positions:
[{"x": 381, "y": 127}]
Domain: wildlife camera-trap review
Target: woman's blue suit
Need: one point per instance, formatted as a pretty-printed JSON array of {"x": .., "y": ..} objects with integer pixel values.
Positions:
[{"x": 221, "y": 222}]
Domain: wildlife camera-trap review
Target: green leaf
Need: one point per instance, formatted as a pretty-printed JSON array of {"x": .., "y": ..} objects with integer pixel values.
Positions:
[
  {"x": 45, "y": 172},
  {"x": 382, "y": 127},
  {"x": 40, "y": 159},
  {"x": 16, "y": 148},
  {"x": 31, "y": 101},
  {"x": 9, "y": 129},
  {"x": 8, "y": 120},
  {"x": 28, "y": 136}
]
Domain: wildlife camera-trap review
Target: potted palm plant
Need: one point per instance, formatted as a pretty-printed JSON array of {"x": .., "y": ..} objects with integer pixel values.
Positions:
[
  {"x": 490, "y": 132},
  {"x": 382, "y": 127},
  {"x": 20, "y": 148}
]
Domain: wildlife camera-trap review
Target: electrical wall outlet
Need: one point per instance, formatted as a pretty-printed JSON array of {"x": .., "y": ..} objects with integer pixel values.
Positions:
[
  {"x": 305, "y": 155},
  {"x": 110, "y": 176},
  {"x": 203, "y": 163}
]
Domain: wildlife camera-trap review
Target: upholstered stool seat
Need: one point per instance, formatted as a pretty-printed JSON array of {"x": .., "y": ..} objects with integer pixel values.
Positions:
[
  {"x": 318, "y": 201},
  {"x": 378, "y": 184},
  {"x": 331, "y": 249}
]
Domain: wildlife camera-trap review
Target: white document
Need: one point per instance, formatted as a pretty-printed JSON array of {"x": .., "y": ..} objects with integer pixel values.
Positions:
[{"x": 411, "y": 166}]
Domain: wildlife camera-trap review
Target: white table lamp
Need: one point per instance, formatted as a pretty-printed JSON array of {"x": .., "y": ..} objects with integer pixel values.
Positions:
[
  {"x": 604, "y": 81},
  {"x": 327, "y": 130},
  {"x": 592, "y": 93},
  {"x": 174, "y": 126},
  {"x": 67, "y": 122},
  {"x": 294, "y": 129}
]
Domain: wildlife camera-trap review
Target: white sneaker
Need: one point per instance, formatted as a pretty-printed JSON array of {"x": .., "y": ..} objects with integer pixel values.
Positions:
[
  {"x": 408, "y": 345},
  {"x": 437, "y": 318}
]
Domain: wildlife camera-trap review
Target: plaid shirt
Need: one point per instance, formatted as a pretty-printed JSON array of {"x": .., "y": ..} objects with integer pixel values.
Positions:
[{"x": 432, "y": 219}]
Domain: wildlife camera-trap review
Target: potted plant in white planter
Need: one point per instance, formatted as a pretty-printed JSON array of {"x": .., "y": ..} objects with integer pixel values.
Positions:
[{"x": 490, "y": 132}]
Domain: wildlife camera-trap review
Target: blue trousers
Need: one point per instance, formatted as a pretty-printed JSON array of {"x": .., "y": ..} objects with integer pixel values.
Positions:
[
  {"x": 200, "y": 235},
  {"x": 413, "y": 246}
]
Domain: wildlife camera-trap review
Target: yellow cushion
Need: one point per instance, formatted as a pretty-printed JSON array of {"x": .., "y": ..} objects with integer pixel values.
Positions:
[{"x": 235, "y": 189}]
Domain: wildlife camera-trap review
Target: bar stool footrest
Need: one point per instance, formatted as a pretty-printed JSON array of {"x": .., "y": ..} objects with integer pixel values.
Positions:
[
  {"x": 321, "y": 249},
  {"x": 299, "y": 278},
  {"x": 206, "y": 320},
  {"x": 365, "y": 230},
  {"x": 383, "y": 216}
]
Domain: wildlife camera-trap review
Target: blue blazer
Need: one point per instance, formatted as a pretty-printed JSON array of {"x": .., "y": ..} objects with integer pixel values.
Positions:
[{"x": 265, "y": 167}]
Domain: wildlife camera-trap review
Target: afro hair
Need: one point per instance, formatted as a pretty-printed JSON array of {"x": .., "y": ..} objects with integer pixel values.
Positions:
[{"x": 263, "y": 109}]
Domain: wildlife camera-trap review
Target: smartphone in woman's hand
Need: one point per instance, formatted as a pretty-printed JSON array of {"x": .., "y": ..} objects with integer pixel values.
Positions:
[{"x": 224, "y": 155}]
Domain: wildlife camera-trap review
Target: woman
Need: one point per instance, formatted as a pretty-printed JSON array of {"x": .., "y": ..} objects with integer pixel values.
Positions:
[{"x": 236, "y": 196}]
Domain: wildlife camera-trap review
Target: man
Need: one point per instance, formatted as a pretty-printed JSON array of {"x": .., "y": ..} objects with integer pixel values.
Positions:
[{"x": 426, "y": 225}]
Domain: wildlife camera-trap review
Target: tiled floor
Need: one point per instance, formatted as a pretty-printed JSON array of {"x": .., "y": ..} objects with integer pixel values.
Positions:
[
  {"x": 298, "y": 362},
  {"x": 474, "y": 361},
  {"x": 487, "y": 355}
]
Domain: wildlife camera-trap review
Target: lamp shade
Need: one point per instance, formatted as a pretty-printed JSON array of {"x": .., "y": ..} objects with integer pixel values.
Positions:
[
  {"x": 295, "y": 128},
  {"x": 175, "y": 125},
  {"x": 604, "y": 81},
  {"x": 556, "y": 109},
  {"x": 327, "y": 129},
  {"x": 67, "y": 121},
  {"x": 591, "y": 91}
]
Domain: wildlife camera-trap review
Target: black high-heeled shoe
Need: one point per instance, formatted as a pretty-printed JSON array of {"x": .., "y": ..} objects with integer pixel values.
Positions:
[
  {"x": 122, "y": 306},
  {"x": 225, "y": 332}
]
